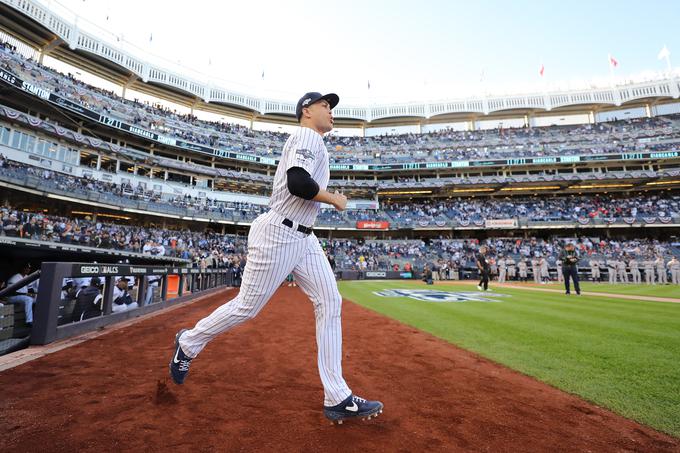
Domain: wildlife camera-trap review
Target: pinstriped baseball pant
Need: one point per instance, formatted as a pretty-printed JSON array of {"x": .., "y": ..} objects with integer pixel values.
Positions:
[{"x": 274, "y": 251}]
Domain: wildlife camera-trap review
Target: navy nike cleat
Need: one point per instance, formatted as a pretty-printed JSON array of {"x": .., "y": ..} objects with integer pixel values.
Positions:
[
  {"x": 179, "y": 365},
  {"x": 353, "y": 407}
]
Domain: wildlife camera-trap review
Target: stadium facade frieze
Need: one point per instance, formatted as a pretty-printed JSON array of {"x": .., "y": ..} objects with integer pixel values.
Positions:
[{"x": 71, "y": 36}]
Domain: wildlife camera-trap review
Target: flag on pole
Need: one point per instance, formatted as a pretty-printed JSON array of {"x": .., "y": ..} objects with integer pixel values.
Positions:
[
  {"x": 263, "y": 74},
  {"x": 664, "y": 53},
  {"x": 542, "y": 70},
  {"x": 369, "y": 84},
  {"x": 613, "y": 62},
  {"x": 151, "y": 37}
]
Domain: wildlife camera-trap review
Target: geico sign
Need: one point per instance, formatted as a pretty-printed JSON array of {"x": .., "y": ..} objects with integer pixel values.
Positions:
[{"x": 98, "y": 269}]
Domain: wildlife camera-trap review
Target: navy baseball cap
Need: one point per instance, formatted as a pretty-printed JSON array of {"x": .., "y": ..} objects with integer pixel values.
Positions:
[{"x": 312, "y": 97}]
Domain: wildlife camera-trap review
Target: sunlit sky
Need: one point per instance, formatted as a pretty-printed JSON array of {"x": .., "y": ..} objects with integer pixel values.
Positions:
[{"x": 409, "y": 51}]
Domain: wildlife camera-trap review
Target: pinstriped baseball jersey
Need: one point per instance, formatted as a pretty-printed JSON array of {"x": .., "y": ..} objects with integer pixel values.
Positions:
[{"x": 304, "y": 148}]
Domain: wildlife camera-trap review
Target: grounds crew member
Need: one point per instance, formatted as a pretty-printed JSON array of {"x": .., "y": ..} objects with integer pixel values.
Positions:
[{"x": 569, "y": 258}]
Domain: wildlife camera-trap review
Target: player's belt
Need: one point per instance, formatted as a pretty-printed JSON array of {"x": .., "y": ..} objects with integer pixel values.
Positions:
[{"x": 300, "y": 228}]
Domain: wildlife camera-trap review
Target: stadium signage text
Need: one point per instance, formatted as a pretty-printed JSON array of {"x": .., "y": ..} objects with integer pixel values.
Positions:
[
  {"x": 98, "y": 269},
  {"x": 40, "y": 92},
  {"x": 376, "y": 274},
  {"x": 500, "y": 223},
  {"x": 368, "y": 225}
]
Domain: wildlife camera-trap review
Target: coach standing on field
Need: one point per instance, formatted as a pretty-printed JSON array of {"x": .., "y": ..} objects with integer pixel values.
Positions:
[
  {"x": 569, "y": 258},
  {"x": 483, "y": 267}
]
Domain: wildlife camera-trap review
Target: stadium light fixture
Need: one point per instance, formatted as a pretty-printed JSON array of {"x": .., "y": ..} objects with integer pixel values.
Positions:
[
  {"x": 512, "y": 189},
  {"x": 473, "y": 190},
  {"x": 406, "y": 192},
  {"x": 661, "y": 183},
  {"x": 601, "y": 186}
]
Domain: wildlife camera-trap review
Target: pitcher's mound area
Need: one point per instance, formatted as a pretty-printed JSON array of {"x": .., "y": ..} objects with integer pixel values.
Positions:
[{"x": 257, "y": 389}]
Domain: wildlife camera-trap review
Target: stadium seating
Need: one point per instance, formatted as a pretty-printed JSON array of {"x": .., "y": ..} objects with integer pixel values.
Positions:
[{"x": 647, "y": 134}]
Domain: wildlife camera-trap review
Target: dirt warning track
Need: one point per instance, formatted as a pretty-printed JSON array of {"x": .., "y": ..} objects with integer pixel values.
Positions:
[{"x": 257, "y": 389}]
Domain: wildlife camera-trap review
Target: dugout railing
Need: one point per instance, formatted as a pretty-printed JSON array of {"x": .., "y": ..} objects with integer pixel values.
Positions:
[{"x": 154, "y": 288}]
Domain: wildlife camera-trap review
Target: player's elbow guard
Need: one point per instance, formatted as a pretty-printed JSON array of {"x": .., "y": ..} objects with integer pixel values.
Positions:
[{"x": 301, "y": 184}]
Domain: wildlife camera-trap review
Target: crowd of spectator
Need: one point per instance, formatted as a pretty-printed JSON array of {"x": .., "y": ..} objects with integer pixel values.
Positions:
[
  {"x": 402, "y": 214},
  {"x": 206, "y": 249},
  {"x": 571, "y": 208},
  {"x": 634, "y": 135}
]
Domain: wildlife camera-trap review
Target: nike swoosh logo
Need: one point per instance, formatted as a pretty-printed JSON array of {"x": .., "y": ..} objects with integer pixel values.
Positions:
[
  {"x": 353, "y": 407},
  {"x": 174, "y": 359}
]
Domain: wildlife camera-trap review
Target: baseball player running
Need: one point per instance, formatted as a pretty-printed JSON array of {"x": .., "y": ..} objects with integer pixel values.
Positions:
[{"x": 281, "y": 242}]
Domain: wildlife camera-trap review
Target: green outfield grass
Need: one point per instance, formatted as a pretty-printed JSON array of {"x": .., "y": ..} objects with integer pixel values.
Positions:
[
  {"x": 621, "y": 354},
  {"x": 634, "y": 290}
]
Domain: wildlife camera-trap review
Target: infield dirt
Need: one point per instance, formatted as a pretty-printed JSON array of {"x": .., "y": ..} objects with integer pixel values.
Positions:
[{"x": 257, "y": 389}]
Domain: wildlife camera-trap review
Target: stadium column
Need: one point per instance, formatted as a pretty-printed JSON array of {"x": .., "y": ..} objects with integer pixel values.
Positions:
[
  {"x": 45, "y": 326},
  {"x": 164, "y": 287},
  {"x": 141, "y": 289},
  {"x": 108, "y": 294}
]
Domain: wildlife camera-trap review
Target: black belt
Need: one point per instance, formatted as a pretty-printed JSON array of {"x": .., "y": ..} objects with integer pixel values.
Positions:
[{"x": 300, "y": 228}]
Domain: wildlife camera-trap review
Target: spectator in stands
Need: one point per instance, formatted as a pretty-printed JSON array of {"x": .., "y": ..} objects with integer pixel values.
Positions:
[
  {"x": 10, "y": 225},
  {"x": 89, "y": 301},
  {"x": 21, "y": 295}
]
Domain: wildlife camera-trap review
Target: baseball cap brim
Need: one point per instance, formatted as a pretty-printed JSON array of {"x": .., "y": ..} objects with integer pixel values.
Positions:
[
  {"x": 313, "y": 97},
  {"x": 332, "y": 99}
]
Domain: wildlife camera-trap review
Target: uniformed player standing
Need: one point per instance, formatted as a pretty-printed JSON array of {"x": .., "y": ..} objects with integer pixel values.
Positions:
[
  {"x": 649, "y": 271},
  {"x": 502, "y": 269},
  {"x": 611, "y": 270},
  {"x": 536, "y": 269},
  {"x": 594, "y": 270},
  {"x": 522, "y": 267},
  {"x": 674, "y": 267},
  {"x": 635, "y": 270},
  {"x": 661, "y": 270},
  {"x": 560, "y": 275},
  {"x": 621, "y": 270},
  {"x": 545, "y": 272},
  {"x": 512, "y": 269}
]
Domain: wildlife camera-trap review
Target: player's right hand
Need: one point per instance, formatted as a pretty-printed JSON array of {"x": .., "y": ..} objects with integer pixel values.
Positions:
[{"x": 339, "y": 201}]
